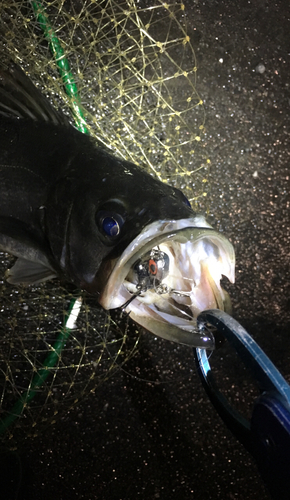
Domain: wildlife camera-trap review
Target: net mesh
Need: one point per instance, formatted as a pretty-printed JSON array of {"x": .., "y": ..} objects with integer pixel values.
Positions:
[{"x": 135, "y": 71}]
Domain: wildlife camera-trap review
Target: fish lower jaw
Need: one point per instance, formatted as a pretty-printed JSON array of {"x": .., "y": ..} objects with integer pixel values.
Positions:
[{"x": 182, "y": 301}]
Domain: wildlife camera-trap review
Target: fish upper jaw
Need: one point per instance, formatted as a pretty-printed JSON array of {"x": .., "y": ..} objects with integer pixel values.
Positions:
[{"x": 168, "y": 275}]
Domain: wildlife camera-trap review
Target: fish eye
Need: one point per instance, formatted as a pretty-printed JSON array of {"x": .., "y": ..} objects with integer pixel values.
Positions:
[
  {"x": 109, "y": 223},
  {"x": 111, "y": 226}
]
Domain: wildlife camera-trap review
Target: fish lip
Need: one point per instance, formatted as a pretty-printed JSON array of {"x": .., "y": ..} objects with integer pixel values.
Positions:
[{"x": 115, "y": 294}]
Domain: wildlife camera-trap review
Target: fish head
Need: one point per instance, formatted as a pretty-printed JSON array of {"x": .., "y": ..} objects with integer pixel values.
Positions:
[
  {"x": 136, "y": 244},
  {"x": 92, "y": 219}
]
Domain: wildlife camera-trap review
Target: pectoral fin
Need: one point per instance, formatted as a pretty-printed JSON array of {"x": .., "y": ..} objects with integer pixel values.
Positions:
[
  {"x": 28, "y": 272},
  {"x": 32, "y": 265}
]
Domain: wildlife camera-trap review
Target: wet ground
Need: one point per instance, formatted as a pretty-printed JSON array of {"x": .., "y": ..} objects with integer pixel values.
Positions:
[{"x": 151, "y": 432}]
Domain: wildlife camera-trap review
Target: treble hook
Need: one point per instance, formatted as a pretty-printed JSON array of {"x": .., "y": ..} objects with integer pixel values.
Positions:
[{"x": 140, "y": 290}]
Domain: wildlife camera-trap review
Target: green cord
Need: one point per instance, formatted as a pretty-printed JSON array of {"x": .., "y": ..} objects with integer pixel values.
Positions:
[
  {"x": 63, "y": 65},
  {"x": 71, "y": 90}
]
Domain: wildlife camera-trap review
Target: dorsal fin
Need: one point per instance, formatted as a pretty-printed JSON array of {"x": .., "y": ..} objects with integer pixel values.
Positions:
[{"x": 21, "y": 99}]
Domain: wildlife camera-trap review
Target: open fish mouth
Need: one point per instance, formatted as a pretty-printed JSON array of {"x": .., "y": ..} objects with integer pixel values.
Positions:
[{"x": 170, "y": 273}]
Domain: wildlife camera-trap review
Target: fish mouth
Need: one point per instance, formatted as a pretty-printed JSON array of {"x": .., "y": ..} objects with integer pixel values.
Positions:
[{"x": 169, "y": 274}]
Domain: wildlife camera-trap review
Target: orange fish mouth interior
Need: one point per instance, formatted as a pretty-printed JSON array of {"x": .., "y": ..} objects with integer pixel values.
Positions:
[{"x": 169, "y": 275}]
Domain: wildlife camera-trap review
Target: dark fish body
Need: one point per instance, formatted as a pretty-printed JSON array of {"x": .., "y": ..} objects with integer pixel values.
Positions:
[
  {"x": 71, "y": 209},
  {"x": 54, "y": 181}
]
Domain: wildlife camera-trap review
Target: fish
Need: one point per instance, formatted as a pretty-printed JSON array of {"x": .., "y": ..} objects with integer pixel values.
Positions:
[{"x": 69, "y": 208}]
